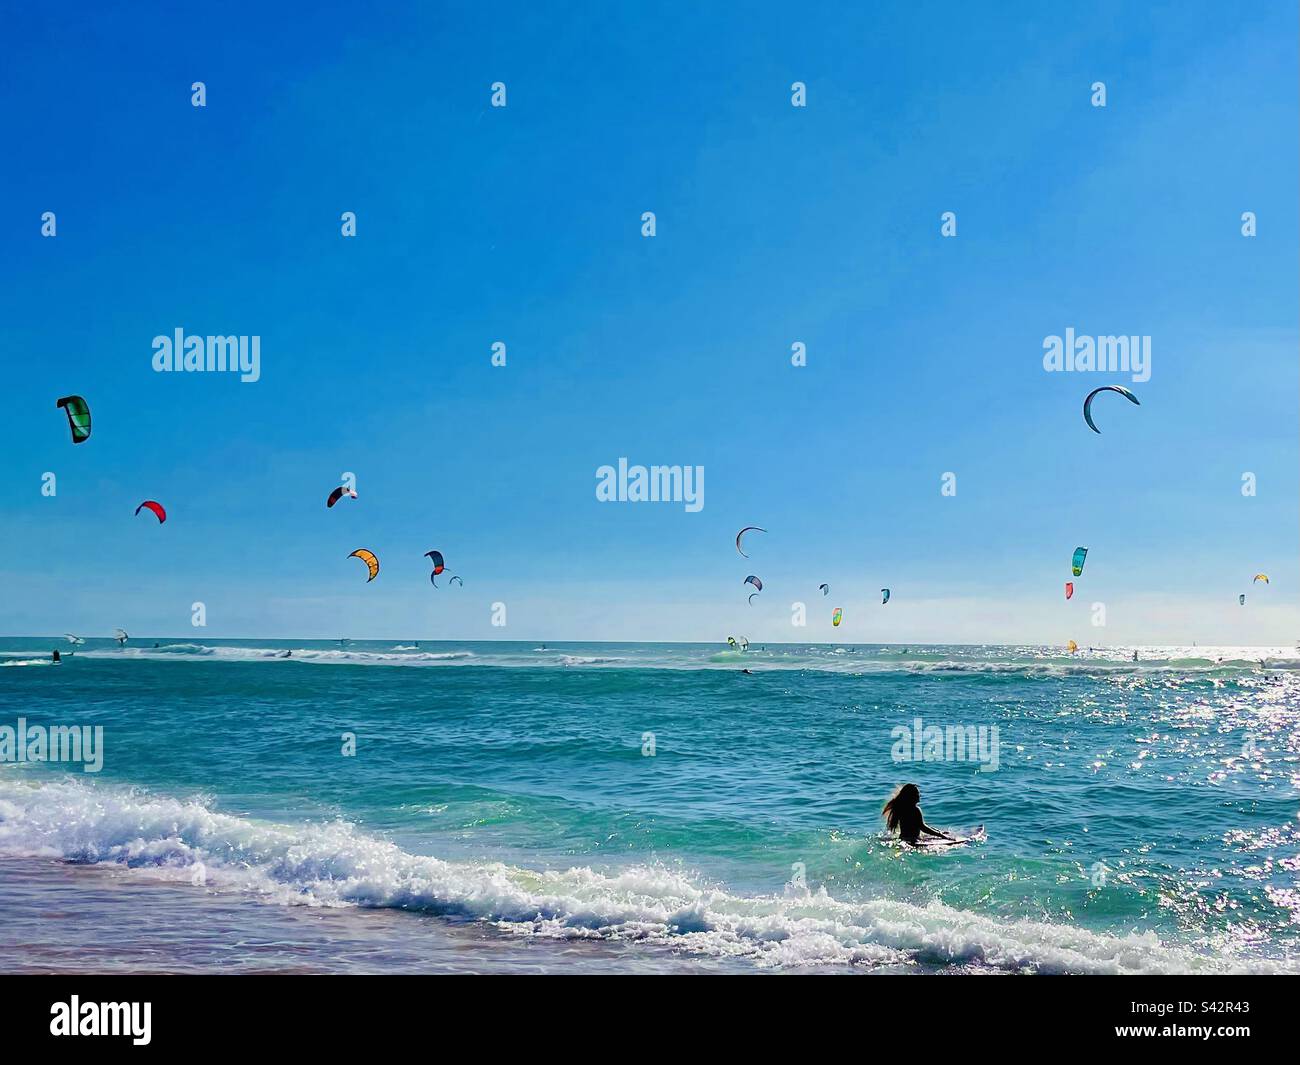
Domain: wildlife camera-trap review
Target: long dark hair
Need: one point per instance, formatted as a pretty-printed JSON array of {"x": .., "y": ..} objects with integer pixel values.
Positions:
[{"x": 905, "y": 798}]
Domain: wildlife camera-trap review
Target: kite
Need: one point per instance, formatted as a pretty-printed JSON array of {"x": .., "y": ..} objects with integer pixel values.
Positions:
[
  {"x": 368, "y": 557},
  {"x": 1087, "y": 403},
  {"x": 1076, "y": 564},
  {"x": 835, "y": 618},
  {"x": 439, "y": 564},
  {"x": 338, "y": 494},
  {"x": 120, "y": 636},
  {"x": 751, "y": 598},
  {"x": 1260, "y": 577},
  {"x": 825, "y": 589},
  {"x": 747, "y": 528},
  {"x": 751, "y": 579},
  {"x": 455, "y": 578},
  {"x": 155, "y": 508},
  {"x": 1241, "y": 600},
  {"x": 1069, "y": 589},
  {"x": 885, "y": 593},
  {"x": 78, "y": 417}
]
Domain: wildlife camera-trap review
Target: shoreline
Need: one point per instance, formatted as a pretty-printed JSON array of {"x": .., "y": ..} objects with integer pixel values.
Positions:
[{"x": 69, "y": 919}]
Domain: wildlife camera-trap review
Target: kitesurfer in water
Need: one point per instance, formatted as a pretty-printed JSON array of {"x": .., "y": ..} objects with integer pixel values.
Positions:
[
  {"x": 55, "y": 658},
  {"x": 747, "y": 671},
  {"x": 903, "y": 815}
]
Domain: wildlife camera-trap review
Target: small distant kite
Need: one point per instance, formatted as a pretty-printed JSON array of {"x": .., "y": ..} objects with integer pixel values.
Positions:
[
  {"x": 747, "y": 528},
  {"x": 456, "y": 578},
  {"x": 338, "y": 494},
  {"x": 1069, "y": 589},
  {"x": 825, "y": 589},
  {"x": 1087, "y": 403},
  {"x": 751, "y": 579},
  {"x": 78, "y": 417},
  {"x": 121, "y": 637},
  {"x": 884, "y": 592},
  {"x": 837, "y": 616},
  {"x": 1260, "y": 577},
  {"x": 750, "y": 600},
  {"x": 1241, "y": 600},
  {"x": 1076, "y": 564},
  {"x": 368, "y": 557},
  {"x": 155, "y": 508}
]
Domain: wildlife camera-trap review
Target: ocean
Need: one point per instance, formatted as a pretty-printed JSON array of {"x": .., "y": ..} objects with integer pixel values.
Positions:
[{"x": 394, "y": 806}]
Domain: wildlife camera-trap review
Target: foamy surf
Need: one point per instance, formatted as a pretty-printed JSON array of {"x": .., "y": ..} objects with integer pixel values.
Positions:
[
  {"x": 851, "y": 662},
  {"x": 346, "y": 656},
  {"x": 334, "y": 864}
]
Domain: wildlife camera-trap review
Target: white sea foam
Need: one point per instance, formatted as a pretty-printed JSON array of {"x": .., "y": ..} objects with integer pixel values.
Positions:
[
  {"x": 296, "y": 654},
  {"x": 1025, "y": 662},
  {"x": 588, "y": 660},
  {"x": 333, "y": 864}
]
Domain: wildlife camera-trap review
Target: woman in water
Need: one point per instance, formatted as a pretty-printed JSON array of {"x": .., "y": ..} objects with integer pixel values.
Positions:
[{"x": 902, "y": 814}]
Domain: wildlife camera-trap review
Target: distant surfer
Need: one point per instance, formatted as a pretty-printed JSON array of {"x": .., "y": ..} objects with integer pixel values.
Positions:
[
  {"x": 903, "y": 815},
  {"x": 55, "y": 658},
  {"x": 743, "y": 670},
  {"x": 1135, "y": 656}
]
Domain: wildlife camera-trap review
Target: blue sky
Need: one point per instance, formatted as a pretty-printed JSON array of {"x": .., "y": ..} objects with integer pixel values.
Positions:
[{"x": 775, "y": 224}]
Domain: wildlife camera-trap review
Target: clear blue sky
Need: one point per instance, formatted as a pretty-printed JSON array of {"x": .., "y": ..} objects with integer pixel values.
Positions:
[{"x": 775, "y": 224}]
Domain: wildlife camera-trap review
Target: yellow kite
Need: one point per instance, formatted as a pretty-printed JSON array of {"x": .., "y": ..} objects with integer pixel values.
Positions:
[{"x": 368, "y": 557}]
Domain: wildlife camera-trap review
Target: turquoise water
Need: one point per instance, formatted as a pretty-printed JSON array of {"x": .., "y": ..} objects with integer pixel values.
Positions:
[{"x": 1140, "y": 817}]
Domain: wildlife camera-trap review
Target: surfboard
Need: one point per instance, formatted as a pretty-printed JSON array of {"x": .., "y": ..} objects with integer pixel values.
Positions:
[{"x": 977, "y": 836}]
